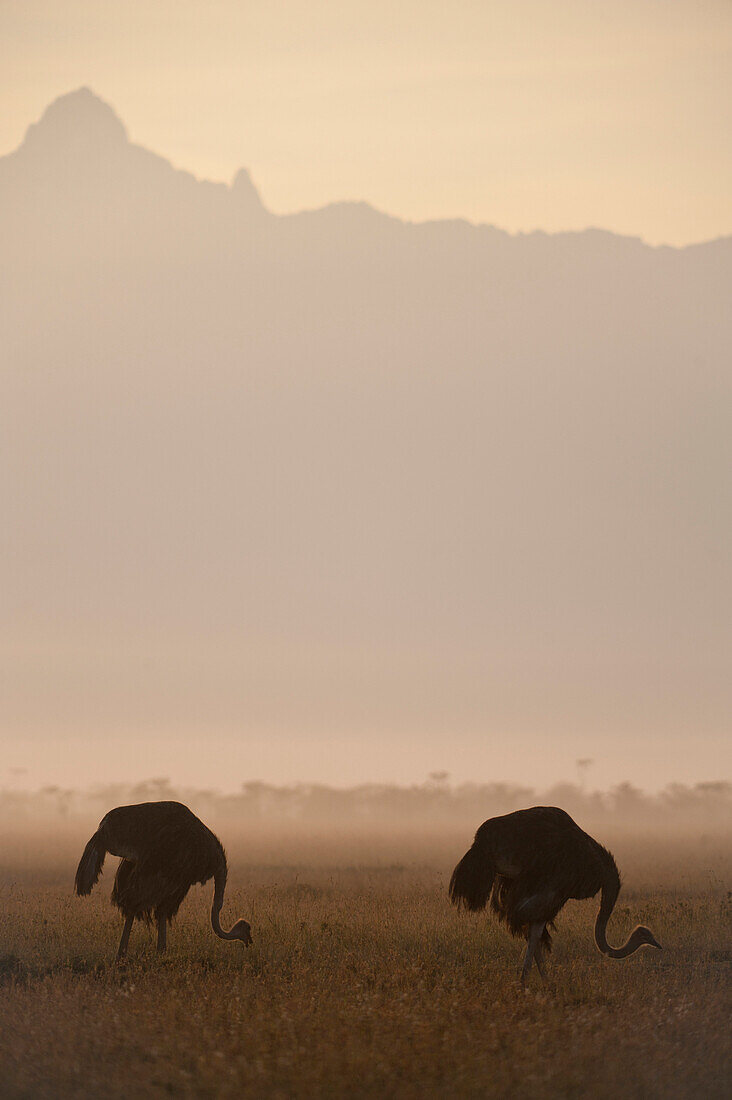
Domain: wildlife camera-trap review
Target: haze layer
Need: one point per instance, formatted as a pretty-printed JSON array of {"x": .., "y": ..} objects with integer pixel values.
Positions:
[{"x": 337, "y": 496}]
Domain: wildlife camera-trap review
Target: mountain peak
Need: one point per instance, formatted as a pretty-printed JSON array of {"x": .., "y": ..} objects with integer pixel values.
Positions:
[
  {"x": 245, "y": 192},
  {"x": 80, "y": 120}
]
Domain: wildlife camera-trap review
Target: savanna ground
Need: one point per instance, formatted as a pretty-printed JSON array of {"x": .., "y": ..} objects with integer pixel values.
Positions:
[{"x": 362, "y": 981}]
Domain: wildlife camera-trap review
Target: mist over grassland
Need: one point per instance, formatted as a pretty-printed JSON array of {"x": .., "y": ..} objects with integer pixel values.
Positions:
[
  {"x": 436, "y": 802},
  {"x": 680, "y": 835}
]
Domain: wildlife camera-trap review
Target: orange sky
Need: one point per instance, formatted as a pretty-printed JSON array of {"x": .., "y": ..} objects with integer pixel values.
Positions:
[{"x": 553, "y": 114}]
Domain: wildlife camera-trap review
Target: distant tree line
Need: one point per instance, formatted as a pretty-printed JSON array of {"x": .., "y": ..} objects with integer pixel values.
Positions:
[{"x": 434, "y": 803}]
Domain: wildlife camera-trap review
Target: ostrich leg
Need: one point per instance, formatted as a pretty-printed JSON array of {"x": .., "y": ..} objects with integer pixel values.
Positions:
[
  {"x": 538, "y": 954},
  {"x": 162, "y": 934},
  {"x": 535, "y": 930},
  {"x": 122, "y": 951}
]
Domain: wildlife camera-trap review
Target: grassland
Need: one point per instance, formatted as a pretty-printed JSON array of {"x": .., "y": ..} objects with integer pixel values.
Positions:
[{"x": 362, "y": 982}]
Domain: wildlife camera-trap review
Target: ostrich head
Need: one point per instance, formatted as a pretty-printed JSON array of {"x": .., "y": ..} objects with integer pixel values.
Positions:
[
  {"x": 641, "y": 936},
  {"x": 242, "y": 931}
]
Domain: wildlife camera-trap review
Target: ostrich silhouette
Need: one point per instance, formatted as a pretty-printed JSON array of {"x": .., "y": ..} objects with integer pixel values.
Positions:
[
  {"x": 165, "y": 849},
  {"x": 530, "y": 863}
]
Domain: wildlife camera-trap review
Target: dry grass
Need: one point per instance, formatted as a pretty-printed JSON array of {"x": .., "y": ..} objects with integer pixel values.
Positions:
[{"x": 362, "y": 982}]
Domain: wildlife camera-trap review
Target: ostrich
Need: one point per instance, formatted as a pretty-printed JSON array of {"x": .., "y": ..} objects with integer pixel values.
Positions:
[
  {"x": 165, "y": 849},
  {"x": 530, "y": 863}
]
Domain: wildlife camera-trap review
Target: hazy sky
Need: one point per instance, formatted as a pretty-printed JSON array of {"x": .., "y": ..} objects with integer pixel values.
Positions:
[
  {"x": 553, "y": 114},
  {"x": 337, "y": 498}
]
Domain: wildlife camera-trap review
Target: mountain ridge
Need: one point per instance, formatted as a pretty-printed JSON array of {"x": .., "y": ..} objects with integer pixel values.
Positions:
[{"x": 82, "y": 122}]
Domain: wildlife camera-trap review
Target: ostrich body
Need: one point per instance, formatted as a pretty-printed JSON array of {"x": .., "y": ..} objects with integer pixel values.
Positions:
[
  {"x": 165, "y": 850},
  {"x": 530, "y": 863}
]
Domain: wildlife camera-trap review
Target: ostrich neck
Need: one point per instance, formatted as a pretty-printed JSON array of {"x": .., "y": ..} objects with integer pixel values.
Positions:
[
  {"x": 218, "y": 901},
  {"x": 610, "y": 891},
  {"x": 601, "y": 939},
  {"x": 216, "y": 925}
]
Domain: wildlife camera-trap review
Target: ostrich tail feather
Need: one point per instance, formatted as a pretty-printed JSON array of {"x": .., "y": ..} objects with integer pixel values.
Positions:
[
  {"x": 90, "y": 866},
  {"x": 472, "y": 879}
]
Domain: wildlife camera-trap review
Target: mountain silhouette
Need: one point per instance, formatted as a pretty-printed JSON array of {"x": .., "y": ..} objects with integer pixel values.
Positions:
[
  {"x": 76, "y": 122},
  {"x": 337, "y": 432}
]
